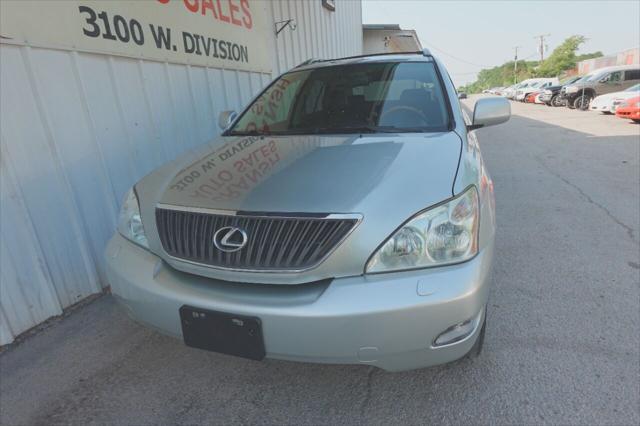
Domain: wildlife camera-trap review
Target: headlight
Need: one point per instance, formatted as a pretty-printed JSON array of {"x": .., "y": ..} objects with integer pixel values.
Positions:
[
  {"x": 440, "y": 235},
  {"x": 130, "y": 222}
]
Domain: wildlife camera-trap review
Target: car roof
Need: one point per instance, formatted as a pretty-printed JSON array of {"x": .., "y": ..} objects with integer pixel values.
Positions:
[
  {"x": 615, "y": 68},
  {"x": 423, "y": 56}
]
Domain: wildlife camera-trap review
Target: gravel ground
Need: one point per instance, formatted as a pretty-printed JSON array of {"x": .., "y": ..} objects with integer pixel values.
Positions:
[{"x": 562, "y": 344}]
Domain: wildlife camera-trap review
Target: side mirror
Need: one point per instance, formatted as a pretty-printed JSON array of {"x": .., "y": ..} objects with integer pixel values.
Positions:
[
  {"x": 462, "y": 95},
  {"x": 489, "y": 112},
  {"x": 226, "y": 118}
]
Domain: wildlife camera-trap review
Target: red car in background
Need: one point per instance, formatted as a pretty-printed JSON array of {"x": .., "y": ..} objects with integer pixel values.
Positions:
[
  {"x": 630, "y": 109},
  {"x": 531, "y": 97}
]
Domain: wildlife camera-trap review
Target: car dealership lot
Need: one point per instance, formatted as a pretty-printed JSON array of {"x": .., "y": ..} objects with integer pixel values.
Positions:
[{"x": 561, "y": 346}]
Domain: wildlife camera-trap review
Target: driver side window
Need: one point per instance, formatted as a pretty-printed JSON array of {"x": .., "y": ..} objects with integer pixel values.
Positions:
[{"x": 614, "y": 77}]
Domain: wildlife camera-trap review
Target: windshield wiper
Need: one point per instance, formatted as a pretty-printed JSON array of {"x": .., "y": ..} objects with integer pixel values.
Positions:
[
  {"x": 371, "y": 129},
  {"x": 247, "y": 133}
]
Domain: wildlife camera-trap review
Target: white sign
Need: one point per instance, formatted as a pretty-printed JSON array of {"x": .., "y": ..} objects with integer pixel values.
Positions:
[{"x": 217, "y": 33}]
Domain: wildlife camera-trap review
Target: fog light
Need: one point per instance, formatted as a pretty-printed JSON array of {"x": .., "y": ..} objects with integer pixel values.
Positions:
[{"x": 458, "y": 332}]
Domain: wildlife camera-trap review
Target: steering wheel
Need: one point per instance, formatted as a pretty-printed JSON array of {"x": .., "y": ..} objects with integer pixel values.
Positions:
[{"x": 406, "y": 108}]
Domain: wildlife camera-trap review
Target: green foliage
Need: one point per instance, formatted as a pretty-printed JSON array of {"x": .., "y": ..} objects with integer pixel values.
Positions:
[
  {"x": 562, "y": 59},
  {"x": 501, "y": 76}
]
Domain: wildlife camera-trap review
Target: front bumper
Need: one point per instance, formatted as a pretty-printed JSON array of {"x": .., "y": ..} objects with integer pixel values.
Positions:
[
  {"x": 386, "y": 320},
  {"x": 600, "y": 107},
  {"x": 546, "y": 97},
  {"x": 632, "y": 114}
]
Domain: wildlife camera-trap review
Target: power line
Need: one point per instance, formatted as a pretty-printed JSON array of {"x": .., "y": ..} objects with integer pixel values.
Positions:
[{"x": 456, "y": 58}]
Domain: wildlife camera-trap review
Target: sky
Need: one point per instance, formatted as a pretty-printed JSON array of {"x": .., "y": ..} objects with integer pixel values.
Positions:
[{"x": 470, "y": 35}]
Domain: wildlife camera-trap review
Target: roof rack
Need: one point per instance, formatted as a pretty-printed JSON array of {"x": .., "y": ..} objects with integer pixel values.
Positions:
[
  {"x": 423, "y": 52},
  {"x": 309, "y": 61}
]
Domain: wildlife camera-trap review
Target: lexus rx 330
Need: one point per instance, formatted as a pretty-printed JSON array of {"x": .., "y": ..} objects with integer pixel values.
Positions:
[{"x": 344, "y": 216}]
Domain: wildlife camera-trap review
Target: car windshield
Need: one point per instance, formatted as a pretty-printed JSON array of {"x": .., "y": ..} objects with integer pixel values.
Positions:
[
  {"x": 633, "y": 88},
  {"x": 571, "y": 81},
  {"x": 596, "y": 76},
  {"x": 354, "y": 98}
]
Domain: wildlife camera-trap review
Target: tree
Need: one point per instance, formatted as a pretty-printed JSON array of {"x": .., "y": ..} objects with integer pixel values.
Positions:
[{"x": 562, "y": 58}]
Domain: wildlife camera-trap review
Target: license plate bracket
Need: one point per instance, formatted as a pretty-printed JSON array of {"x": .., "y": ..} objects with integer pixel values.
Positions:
[{"x": 222, "y": 332}]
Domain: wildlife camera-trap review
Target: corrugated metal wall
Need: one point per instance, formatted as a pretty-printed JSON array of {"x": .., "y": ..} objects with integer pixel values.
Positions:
[{"x": 77, "y": 130}]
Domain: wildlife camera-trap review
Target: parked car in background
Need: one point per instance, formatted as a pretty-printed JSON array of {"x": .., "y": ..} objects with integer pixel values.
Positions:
[
  {"x": 509, "y": 92},
  {"x": 328, "y": 251},
  {"x": 605, "y": 103},
  {"x": 600, "y": 82},
  {"x": 531, "y": 97},
  {"x": 630, "y": 109},
  {"x": 534, "y": 85},
  {"x": 551, "y": 94}
]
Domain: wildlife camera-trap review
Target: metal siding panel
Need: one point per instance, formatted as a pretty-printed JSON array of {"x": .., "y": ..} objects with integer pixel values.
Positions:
[
  {"x": 136, "y": 118},
  {"x": 232, "y": 92},
  {"x": 201, "y": 104},
  {"x": 40, "y": 176},
  {"x": 160, "y": 107},
  {"x": 6, "y": 334},
  {"x": 27, "y": 295},
  {"x": 281, "y": 46},
  {"x": 244, "y": 83},
  {"x": 217, "y": 93},
  {"x": 76, "y": 151},
  {"x": 110, "y": 132},
  {"x": 183, "y": 105}
]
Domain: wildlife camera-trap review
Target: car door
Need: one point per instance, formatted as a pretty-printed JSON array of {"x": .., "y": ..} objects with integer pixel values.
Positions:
[
  {"x": 610, "y": 83},
  {"x": 631, "y": 78}
]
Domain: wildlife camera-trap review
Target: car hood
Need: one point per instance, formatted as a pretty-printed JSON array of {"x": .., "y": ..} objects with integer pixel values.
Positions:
[
  {"x": 384, "y": 178},
  {"x": 609, "y": 97}
]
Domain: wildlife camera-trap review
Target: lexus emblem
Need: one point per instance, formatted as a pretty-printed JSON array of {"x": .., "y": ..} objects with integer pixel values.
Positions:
[{"x": 229, "y": 239}]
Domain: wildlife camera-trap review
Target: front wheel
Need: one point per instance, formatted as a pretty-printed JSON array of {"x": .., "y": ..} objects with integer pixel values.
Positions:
[
  {"x": 582, "y": 102},
  {"x": 556, "y": 101}
]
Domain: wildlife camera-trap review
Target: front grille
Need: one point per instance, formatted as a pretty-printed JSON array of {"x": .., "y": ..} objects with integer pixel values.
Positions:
[{"x": 273, "y": 243}]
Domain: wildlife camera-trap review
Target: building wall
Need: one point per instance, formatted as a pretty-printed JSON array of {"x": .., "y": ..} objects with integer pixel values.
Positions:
[
  {"x": 390, "y": 41},
  {"x": 626, "y": 57},
  {"x": 78, "y": 129}
]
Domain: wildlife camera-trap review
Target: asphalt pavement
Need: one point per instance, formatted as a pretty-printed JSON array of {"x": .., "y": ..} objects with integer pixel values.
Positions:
[{"x": 562, "y": 344}]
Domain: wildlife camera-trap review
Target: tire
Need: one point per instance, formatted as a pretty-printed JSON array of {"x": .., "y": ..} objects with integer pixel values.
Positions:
[
  {"x": 582, "y": 102},
  {"x": 635, "y": 120},
  {"x": 556, "y": 101}
]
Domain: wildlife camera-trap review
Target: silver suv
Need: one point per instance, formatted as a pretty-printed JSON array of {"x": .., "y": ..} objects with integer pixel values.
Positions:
[{"x": 345, "y": 216}]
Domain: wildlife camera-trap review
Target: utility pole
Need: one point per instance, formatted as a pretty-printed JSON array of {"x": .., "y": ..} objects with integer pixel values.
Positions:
[
  {"x": 515, "y": 65},
  {"x": 541, "y": 37}
]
